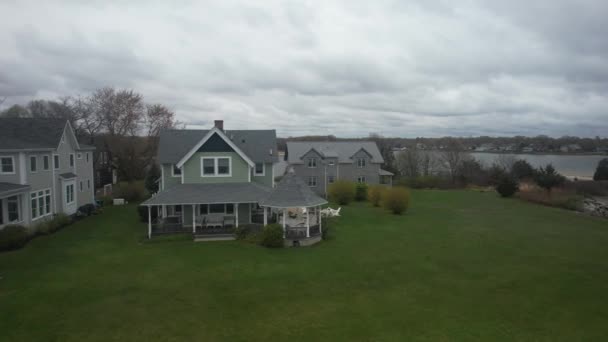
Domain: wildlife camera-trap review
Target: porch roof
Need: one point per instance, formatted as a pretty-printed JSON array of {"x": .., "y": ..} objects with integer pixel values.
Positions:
[
  {"x": 210, "y": 194},
  {"x": 9, "y": 189},
  {"x": 385, "y": 173},
  {"x": 292, "y": 192}
]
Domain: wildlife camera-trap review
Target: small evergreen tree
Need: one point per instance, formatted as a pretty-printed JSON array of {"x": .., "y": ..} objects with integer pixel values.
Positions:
[
  {"x": 507, "y": 186},
  {"x": 548, "y": 178},
  {"x": 521, "y": 169},
  {"x": 151, "y": 180},
  {"x": 601, "y": 172}
]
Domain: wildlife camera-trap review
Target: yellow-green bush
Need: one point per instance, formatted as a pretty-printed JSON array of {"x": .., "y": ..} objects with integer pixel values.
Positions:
[
  {"x": 397, "y": 200},
  {"x": 374, "y": 194},
  {"x": 342, "y": 192}
]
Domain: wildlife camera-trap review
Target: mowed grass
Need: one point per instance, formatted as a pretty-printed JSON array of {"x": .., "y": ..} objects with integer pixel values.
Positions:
[{"x": 458, "y": 266}]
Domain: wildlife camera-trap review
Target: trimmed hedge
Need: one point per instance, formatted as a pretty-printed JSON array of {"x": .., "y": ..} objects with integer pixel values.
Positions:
[
  {"x": 13, "y": 237},
  {"x": 342, "y": 192}
]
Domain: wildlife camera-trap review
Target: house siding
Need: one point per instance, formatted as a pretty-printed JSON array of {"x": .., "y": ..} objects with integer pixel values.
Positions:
[
  {"x": 14, "y": 177},
  {"x": 266, "y": 179},
  {"x": 169, "y": 180}
]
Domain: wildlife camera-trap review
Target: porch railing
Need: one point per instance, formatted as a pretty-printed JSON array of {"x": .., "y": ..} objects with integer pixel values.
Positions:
[{"x": 300, "y": 232}]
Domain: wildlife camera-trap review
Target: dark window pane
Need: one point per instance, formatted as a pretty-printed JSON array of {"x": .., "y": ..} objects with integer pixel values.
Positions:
[
  {"x": 223, "y": 166},
  {"x": 216, "y": 208},
  {"x": 229, "y": 208},
  {"x": 208, "y": 166}
]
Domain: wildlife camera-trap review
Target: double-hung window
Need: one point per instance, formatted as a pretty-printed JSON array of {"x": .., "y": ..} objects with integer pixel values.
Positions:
[
  {"x": 71, "y": 159},
  {"x": 13, "y": 209},
  {"x": 259, "y": 169},
  {"x": 361, "y": 162},
  {"x": 312, "y": 181},
  {"x": 33, "y": 162},
  {"x": 45, "y": 163},
  {"x": 361, "y": 179},
  {"x": 216, "y": 166},
  {"x": 56, "y": 161},
  {"x": 7, "y": 165},
  {"x": 312, "y": 163}
]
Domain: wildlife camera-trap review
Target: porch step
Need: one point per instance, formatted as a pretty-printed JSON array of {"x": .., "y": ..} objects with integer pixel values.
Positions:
[{"x": 213, "y": 237}]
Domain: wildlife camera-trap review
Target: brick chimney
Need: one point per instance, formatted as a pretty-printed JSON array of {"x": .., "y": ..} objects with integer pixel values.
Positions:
[{"x": 219, "y": 124}]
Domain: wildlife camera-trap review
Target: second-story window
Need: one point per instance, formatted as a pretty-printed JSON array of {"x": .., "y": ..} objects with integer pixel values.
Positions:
[
  {"x": 259, "y": 169},
  {"x": 361, "y": 162},
  {"x": 45, "y": 163},
  {"x": 177, "y": 172},
  {"x": 216, "y": 166},
  {"x": 312, "y": 181},
  {"x": 7, "y": 165},
  {"x": 72, "y": 160},
  {"x": 33, "y": 162},
  {"x": 312, "y": 162},
  {"x": 55, "y": 161}
]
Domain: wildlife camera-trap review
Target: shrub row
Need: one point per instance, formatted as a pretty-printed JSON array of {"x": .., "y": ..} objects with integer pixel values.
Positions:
[
  {"x": 16, "y": 236},
  {"x": 270, "y": 236}
]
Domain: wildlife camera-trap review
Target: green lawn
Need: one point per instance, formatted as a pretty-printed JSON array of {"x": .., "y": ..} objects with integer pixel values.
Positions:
[{"x": 458, "y": 266}]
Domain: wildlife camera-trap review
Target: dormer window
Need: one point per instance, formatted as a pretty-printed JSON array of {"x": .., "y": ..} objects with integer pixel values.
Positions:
[
  {"x": 177, "y": 172},
  {"x": 312, "y": 162},
  {"x": 361, "y": 162}
]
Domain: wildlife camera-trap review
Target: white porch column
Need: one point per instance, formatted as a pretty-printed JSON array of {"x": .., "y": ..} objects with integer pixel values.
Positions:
[
  {"x": 320, "y": 220},
  {"x": 284, "y": 225},
  {"x": 236, "y": 212},
  {"x": 265, "y": 217},
  {"x": 307, "y": 222},
  {"x": 149, "y": 222},
  {"x": 164, "y": 210},
  {"x": 194, "y": 219}
]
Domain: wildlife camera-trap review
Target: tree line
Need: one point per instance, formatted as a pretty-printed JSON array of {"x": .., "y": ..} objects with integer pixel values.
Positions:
[{"x": 118, "y": 122}]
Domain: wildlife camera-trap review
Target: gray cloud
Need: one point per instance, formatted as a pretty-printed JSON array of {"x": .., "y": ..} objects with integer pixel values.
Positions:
[{"x": 426, "y": 68}]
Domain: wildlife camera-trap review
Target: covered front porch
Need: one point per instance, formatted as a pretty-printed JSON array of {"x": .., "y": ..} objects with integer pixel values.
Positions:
[{"x": 205, "y": 209}]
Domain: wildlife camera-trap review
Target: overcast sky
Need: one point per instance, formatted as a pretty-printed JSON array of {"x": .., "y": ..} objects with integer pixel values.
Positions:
[{"x": 398, "y": 68}]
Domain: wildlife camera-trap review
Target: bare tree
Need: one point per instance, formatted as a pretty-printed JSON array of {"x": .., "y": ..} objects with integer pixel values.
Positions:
[
  {"x": 452, "y": 158},
  {"x": 409, "y": 163}
]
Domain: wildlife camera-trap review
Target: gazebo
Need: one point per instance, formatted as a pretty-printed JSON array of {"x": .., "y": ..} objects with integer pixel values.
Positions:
[{"x": 298, "y": 209}]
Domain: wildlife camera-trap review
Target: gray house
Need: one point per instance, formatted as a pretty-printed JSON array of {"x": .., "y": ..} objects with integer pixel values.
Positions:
[
  {"x": 320, "y": 163},
  {"x": 43, "y": 170}
]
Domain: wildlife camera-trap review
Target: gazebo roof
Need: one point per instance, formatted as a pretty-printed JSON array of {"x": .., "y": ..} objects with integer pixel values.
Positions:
[{"x": 292, "y": 192}]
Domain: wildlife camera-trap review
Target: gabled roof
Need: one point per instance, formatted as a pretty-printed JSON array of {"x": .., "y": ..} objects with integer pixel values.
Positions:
[
  {"x": 292, "y": 192},
  {"x": 343, "y": 150},
  {"x": 209, "y": 134},
  {"x": 30, "y": 134},
  {"x": 256, "y": 144}
]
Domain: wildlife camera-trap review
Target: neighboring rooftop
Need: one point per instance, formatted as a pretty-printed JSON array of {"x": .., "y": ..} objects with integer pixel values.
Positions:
[
  {"x": 292, "y": 192},
  {"x": 343, "y": 150},
  {"x": 258, "y": 145},
  {"x": 29, "y": 133}
]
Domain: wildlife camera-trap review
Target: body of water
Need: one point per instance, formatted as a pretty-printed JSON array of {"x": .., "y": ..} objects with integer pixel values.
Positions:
[{"x": 581, "y": 166}]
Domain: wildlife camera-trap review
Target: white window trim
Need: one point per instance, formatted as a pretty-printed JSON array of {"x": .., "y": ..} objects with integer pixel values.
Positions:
[
  {"x": 81, "y": 186},
  {"x": 12, "y": 162},
  {"x": 48, "y": 158},
  {"x": 44, "y": 197},
  {"x": 215, "y": 166},
  {"x": 78, "y": 155},
  {"x": 263, "y": 170},
  {"x": 36, "y": 163},
  {"x": 331, "y": 179},
  {"x": 360, "y": 178},
  {"x": 58, "y": 162},
  {"x": 308, "y": 163},
  {"x": 316, "y": 183},
  {"x": 88, "y": 156},
  {"x": 361, "y": 162},
  {"x": 19, "y": 210},
  {"x": 173, "y": 166},
  {"x": 73, "y": 185},
  {"x": 72, "y": 157},
  {"x": 331, "y": 163}
]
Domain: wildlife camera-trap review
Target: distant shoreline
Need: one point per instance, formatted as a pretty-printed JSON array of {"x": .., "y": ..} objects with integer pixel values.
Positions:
[{"x": 541, "y": 153}]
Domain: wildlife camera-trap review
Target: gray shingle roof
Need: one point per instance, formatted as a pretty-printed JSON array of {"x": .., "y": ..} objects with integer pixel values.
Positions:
[
  {"x": 344, "y": 150},
  {"x": 385, "y": 173},
  {"x": 210, "y": 193},
  {"x": 292, "y": 192},
  {"x": 256, "y": 144},
  {"x": 27, "y": 133},
  {"x": 11, "y": 188}
]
